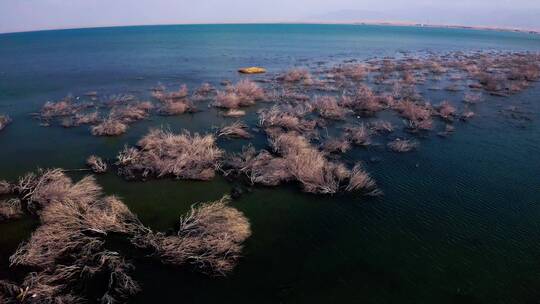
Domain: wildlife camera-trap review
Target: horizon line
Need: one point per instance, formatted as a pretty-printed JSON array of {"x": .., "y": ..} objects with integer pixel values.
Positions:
[{"x": 350, "y": 22}]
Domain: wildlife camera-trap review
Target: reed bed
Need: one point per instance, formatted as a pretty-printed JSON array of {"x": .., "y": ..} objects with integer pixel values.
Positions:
[
  {"x": 162, "y": 153},
  {"x": 68, "y": 250}
]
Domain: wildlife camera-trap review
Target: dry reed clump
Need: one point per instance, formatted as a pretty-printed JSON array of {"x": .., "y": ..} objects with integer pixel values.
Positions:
[
  {"x": 210, "y": 237},
  {"x": 96, "y": 164},
  {"x": 68, "y": 248},
  {"x": 4, "y": 121},
  {"x": 328, "y": 107},
  {"x": 359, "y": 180},
  {"x": 172, "y": 107},
  {"x": 67, "y": 253},
  {"x": 49, "y": 186},
  {"x": 297, "y": 160},
  {"x": 466, "y": 115},
  {"x": 205, "y": 89},
  {"x": 244, "y": 93},
  {"x": 118, "y": 100},
  {"x": 360, "y": 136},
  {"x": 132, "y": 112},
  {"x": 364, "y": 101},
  {"x": 234, "y": 113},
  {"x": 109, "y": 127},
  {"x": 64, "y": 107},
  {"x": 297, "y": 76},
  {"x": 5, "y": 187},
  {"x": 446, "y": 111},
  {"x": 356, "y": 72},
  {"x": 161, "y": 95},
  {"x": 86, "y": 118},
  {"x": 161, "y": 153},
  {"x": 261, "y": 168},
  {"x": 381, "y": 126},
  {"x": 472, "y": 98},
  {"x": 402, "y": 145},
  {"x": 235, "y": 130},
  {"x": 310, "y": 167},
  {"x": 10, "y": 209},
  {"x": 419, "y": 116},
  {"x": 336, "y": 145},
  {"x": 284, "y": 119}
]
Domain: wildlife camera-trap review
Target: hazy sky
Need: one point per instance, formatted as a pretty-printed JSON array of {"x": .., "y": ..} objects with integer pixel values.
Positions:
[{"x": 24, "y": 15}]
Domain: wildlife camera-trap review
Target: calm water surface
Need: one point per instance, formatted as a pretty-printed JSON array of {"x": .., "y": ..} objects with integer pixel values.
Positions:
[{"x": 459, "y": 221}]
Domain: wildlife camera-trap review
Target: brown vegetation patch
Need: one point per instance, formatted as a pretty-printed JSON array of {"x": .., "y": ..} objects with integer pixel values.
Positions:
[
  {"x": 244, "y": 93},
  {"x": 96, "y": 164},
  {"x": 161, "y": 153},
  {"x": 336, "y": 145},
  {"x": 4, "y": 121},
  {"x": 360, "y": 136},
  {"x": 402, "y": 145},
  {"x": 328, "y": 107},
  {"x": 235, "y": 130},
  {"x": 210, "y": 237},
  {"x": 109, "y": 127},
  {"x": 297, "y": 76},
  {"x": 67, "y": 253}
]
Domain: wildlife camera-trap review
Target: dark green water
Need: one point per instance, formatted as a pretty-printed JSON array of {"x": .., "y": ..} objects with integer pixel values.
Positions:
[{"x": 459, "y": 221}]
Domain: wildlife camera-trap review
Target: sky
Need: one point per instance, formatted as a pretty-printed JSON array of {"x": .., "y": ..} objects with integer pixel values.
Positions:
[{"x": 28, "y": 15}]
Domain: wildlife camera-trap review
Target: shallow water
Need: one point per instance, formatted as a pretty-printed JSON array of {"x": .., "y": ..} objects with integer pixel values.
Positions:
[{"x": 458, "y": 222}]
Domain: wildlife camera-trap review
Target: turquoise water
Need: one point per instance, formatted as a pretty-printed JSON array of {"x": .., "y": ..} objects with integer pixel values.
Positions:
[{"x": 458, "y": 222}]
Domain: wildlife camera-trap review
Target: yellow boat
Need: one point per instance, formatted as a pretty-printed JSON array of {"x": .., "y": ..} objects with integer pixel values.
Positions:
[{"x": 252, "y": 70}]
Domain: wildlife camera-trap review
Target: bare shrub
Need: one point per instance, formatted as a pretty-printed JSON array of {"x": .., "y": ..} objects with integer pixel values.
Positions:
[
  {"x": 356, "y": 72},
  {"x": 5, "y": 187},
  {"x": 381, "y": 126},
  {"x": 297, "y": 76},
  {"x": 446, "y": 111},
  {"x": 49, "y": 186},
  {"x": 283, "y": 119},
  {"x": 234, "y": 113},
  {"x": 466, "y": 115},
  {"x": 176, "y": 107},
  {"x": 4, "y": 121},
  {"x": 210, "y": 237},
  {"x": 227, "y": 100},
  {"x": 248, "y": 92},
  {"x": 161, "y": 95},
  {"x": 68, "y": 247},
  {"x": 10, "y": 209},
  {"x": 472, "y": 98},
  {"x": 309, "y": 166},
  {"x": 402, "y": 145},
  {"x": 163, "y": 153},
  {"x": 360, "y": 136},
  {"x": 360, "y": 180},
  {"x": 261, "y": 168},
  {"x": 419, "y": 116},
  {"x": 109, "y": 127},
  {"x": 364, "y": 101},
  {"x": 96, "y": 164},
  {"x": 205, "y": 89},
  {"x": 64, "y": 107},
  {"x": 235, "y": 130},
  {"x": 244, "y": 93},
  {"x": 131, "y": 113},
  {"x": 336, "y": 145},
  {"x": 328, "y": 107},
  {"x": 86, "y": 118}
]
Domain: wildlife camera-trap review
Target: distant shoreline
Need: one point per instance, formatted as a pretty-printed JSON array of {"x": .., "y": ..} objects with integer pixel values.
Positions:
[{"x": 373, "y": 23}]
